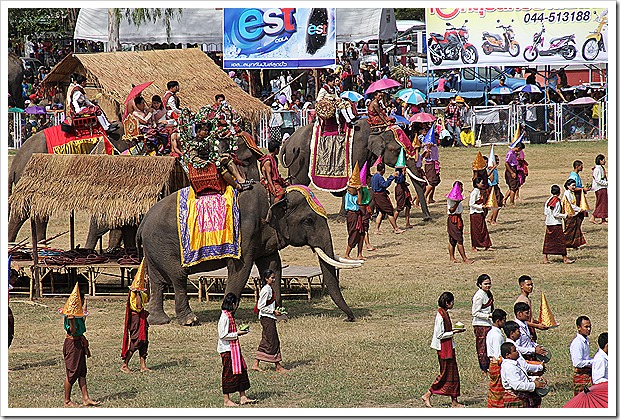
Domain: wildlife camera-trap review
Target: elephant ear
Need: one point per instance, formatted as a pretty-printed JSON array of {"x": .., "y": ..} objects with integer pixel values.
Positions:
[
  {"x": 376, "y": 144},
  {"x": 276, "y": 212}
]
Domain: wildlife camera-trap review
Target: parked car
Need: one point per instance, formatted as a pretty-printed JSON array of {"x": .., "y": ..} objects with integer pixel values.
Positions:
[
  {"x": 31, "y": 65},
  {"x": 474, "y": 79}
]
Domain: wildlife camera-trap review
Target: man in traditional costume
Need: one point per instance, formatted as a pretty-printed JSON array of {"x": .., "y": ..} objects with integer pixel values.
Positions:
[
  {"x": 365, "y": 205},
  {"x": 432, "y": 170},
  {"x": 493, "y": 177},
  {"x": 136, "y": 328},
  {"x": 494, "y": 341},
  {"x": 401, "y": 190},
  {"x": 525, "y": 344},
  {"x": 511, "y": 175},
  {"x": 454, "y": 203},
  {"x": 555, "y": 243},
  {"x": 80, "y": 104},
  {"x": 270, "y": 175},
  {"x": 355, "y": 223},
  {"x": 572, "y": 226},
  {"x": 171, "y": 100},
  {"x": 519, "y": 388},
  {"x": 75, "y": 349},
  {"x": 527, "y": 287},
  {"x": 580, "y": 355},
  {"x": 599, "y": 361},
  {"x": 479, "y": 169},
  {"x": 479, "y": 233},
  {"x": 329, "y": 91},
  {"x": 382, "y": 201},
  {"x": 377, "y": 113}
]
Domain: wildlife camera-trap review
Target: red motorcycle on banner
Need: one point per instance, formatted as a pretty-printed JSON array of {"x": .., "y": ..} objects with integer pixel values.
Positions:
[
  {"x": 452, "y": 45},
  {"x": 562, "y": 45},
  {"x": 501, "y": 43}
]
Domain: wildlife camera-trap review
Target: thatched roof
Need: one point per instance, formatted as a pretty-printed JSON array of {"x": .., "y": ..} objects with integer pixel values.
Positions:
[
  {"x": 200, "y": 79},
  {"x": 116, "y": 190}
]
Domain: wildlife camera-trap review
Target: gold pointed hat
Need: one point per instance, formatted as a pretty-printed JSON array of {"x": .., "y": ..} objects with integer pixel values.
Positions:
[
  {"x": 566, "y": 206},
  {"x": 546, "y": 316},
  {"x": 139, "y": 282},
  {"x": 73, "y": 306},
  {"x": 583, "y": 203},
  {"x": 479, "y": 163},
  {"x": 491, "y": 201},
  {"x": 416, "y": 141},
  {"x": 355, "y": 180}
]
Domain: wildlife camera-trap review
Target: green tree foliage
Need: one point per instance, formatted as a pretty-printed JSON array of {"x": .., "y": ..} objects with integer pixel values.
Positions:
[
  {"x": 409, "y": 14},
  {"x": 138, "y": 17},
  {"x": 35, "y": 21}
]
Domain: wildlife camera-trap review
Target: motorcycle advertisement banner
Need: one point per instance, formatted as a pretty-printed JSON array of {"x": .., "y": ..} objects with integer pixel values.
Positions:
[
  {"x": 279, "y": 38},
  {"x": 478, "y": 37}
]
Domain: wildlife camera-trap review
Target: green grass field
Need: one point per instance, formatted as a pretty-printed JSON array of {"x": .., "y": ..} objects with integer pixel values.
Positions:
[{"x": 381, "y": 360}]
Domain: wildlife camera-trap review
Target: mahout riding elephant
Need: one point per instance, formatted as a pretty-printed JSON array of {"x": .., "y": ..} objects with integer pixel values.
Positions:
[
  {"x": 264, "y": 231},
  {"x": 16, "y": 76},
  {"x": 295, "y": 155},
  {"x": 37, "y": 144}
]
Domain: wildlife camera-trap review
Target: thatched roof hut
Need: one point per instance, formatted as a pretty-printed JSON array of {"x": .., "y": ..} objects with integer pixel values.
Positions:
[
  {"x": 113, "y": 73},
  {"x": 116, "y": 190}
]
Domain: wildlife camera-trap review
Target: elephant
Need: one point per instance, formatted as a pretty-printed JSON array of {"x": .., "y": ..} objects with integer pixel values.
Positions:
[
  {"x": 16, "y": 76},
  {"x": 264, "y": 231},
  {"x": 37, "y": 144},
  {"x": 295, "y": 156}
]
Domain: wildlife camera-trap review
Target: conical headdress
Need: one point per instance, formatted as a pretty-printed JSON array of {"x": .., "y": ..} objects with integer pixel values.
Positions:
[
  {"x": 478, "y": 163},
  {"x": 517, "y": 138},
  {"x": 566, "y": 206},
  {"x": 455, "y": 194},
  {"x": 139, "y": 282},
  {"x": 583, "y": 203},
  {"x": 491, "y": 202},
  {"x": 416, "y": 141},
  {"x": 73, "y": 306},
  {"x": 546, "y": 316},
  {"x": 492, "y": 156},
  {"x": 400, "y": 162},
  {"x": 364, "y": 174},
  {"x": 354, "y": 180},
  {"x": 378, "y": 161},
  {"x": 429, "y": 137}
]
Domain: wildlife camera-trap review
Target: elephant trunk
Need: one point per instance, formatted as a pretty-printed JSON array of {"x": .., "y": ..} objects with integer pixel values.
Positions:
[{"x": 330, "y": 279}]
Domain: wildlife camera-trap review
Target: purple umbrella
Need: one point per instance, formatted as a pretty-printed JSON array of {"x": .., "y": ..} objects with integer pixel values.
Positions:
[
  {"x": 35, "y": 110},
  {"x": 528, "y": 89},
  {"x": 382, "y": 84},
  {"x": 583, "y": 101}
]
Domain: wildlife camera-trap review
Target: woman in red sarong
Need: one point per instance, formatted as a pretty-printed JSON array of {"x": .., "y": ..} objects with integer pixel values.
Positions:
[
  {"x": 599, "y": 186},
  {"x": 448, "y": 381}
]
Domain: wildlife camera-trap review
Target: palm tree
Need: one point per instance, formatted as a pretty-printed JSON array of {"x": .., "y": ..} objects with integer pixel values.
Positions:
[{"x": 137, "y": 17}]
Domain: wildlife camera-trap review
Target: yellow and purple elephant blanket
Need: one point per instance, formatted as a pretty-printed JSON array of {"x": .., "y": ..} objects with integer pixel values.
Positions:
[{"x": 208, "y": 226}]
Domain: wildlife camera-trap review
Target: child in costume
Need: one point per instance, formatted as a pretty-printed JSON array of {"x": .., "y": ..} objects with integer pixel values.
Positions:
[
  {"x": 401, "y": 191},
  {"x": 355, "y": 222},
  {"x": 365, "y": 205},
  {"x": 135, "y": 332},
  {"x": 479, "y": 233},
  {"x": 455, "y": 222},
  {"x": 75, "y": 349}
]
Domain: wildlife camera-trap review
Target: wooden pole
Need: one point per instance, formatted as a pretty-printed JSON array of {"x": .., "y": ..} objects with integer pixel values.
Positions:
[
  {"x": 36, "y": 276},
  {"x": 72, "y": 230}
]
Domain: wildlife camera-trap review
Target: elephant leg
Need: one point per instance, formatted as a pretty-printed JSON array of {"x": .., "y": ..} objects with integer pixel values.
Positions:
[
  {"x": 42, "y": 229},
  {"x": 238, "y": 275},
  {"x": 14, "y": 226},
  {"x": 419, "y": 189},
  {"x": 272, "y": 262},
  {"x": 157, "y": 316},
  {"x": 115, "y": 237},
  {"x": 128, "y": 234},
  {"x": 184, "y": 314},
  {"x": 94, "y": 233}
]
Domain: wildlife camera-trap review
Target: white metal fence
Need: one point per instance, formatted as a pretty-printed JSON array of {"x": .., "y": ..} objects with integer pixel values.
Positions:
[{"x": 18, "y": 126}]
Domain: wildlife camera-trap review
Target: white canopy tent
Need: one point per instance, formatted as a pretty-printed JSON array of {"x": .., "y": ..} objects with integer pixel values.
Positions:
[{"x": 205, "y": 26}]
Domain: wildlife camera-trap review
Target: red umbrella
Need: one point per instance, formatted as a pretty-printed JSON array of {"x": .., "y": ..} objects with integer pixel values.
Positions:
[
  {"x": 591, "y": 397},
  {"x": 382, "y": 84},
  {"x": 422, "y": 117},
  {"x": 137, "y": 90}
]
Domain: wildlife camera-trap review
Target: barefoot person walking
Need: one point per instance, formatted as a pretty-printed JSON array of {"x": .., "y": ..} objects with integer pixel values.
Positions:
[
  {"x": 554, "y": 235},
  {"x": 454, "y": 202},
  {"x": 599, "y": 186},
  {"x": 234, "y": 370},
  {"x": 136, "y": 330},
  {"x": 269, "y": 347},
  {"x": 448, "y": 381}
]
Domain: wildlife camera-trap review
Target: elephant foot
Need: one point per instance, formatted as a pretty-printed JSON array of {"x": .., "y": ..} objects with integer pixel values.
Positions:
[
  {"x": 189, "y": 321},
  {"x": 158, "y": 318},
  {"x": 350, "y": 319},
  {"x": 427, "y": 219}
]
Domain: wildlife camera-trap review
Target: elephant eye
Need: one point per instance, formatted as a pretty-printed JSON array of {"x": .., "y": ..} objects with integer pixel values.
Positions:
[{"x": 308, "y": 221}]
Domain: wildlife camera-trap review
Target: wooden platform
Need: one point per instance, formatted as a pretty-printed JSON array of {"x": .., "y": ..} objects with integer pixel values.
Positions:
[{"x": 295, "y": 281}]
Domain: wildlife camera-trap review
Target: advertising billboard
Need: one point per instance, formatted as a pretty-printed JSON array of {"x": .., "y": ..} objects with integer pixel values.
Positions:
[
  {"x": 273, "y": 38},
  {"x": 467, "y": 37}
]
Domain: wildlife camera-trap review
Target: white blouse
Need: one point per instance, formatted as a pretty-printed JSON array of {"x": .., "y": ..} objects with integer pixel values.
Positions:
[
  {"x": 451, "y": 203},
  {"x": 266, "y": 310},
  {"x": 473, "y": 206},
  {"x": 440, "y": 333},
  {"x": 599, "y": 180},
  {"x": 572, "y": 199},
  {"x": 223, "y": 336},
  {"x": 481, "y": 316},
  {"x": 553, "y": 216}
]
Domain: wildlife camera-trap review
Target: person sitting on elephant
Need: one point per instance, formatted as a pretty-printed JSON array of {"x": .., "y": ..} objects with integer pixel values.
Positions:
[
  {"x": 80, "y": 104},
  {"x": 159, "y": 118},
  {"x": 156, "y": 135},
  {"x": 270, "y": 175},
  {"x": 377, "y": 114},
  {"x": 329, "y": 91}
]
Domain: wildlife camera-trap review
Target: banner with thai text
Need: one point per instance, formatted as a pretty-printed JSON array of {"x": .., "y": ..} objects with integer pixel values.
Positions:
[
  {"x": 279, "y": 38},
  {"x": 478, "y": 37}
]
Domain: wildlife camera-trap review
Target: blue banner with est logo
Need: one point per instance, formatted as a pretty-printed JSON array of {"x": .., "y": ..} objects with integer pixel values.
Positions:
[{"x": 278, "y": 38}]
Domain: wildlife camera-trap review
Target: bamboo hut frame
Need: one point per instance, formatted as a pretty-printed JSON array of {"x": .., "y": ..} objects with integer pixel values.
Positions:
[
  {"x": 116, "y": 190},
  {"x": 113, "y": 73}
]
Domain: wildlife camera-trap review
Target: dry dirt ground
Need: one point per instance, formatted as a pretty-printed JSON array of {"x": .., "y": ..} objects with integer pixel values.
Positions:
[{"x": 381, "y": 360}]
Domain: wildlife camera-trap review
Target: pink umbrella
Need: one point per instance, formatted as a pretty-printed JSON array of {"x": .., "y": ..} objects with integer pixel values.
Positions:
[
  {"x": 583, "y": 101},
  {"x": 422, "y": 117},
  {"x": 382, "y": 84},
  {"x": 595, "y": 396}
]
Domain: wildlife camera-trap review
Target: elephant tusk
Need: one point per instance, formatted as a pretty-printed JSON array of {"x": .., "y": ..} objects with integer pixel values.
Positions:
[
  {"x": 347, "y": 261},
  {"x": 415, "y": 177},
  {"x": 322, "y": 255}
]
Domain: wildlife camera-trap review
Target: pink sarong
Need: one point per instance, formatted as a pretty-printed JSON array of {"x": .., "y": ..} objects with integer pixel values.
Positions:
[{"x": 238, "y": 363}]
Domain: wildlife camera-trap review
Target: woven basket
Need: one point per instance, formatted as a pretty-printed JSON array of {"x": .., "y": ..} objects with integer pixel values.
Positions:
[
  {"x": 325, "y": 109},
  {"x": 206, "y": 180}
]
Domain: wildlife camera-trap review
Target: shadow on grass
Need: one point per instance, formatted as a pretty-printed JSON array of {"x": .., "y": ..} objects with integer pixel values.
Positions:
[
  {"x": 41, "y": 363},
  {"x": 124, "y": 395},
  {"x": 169, "y": 364},
  {"x": 265, "y": 395},
  {"x": 297, "y": 363}
]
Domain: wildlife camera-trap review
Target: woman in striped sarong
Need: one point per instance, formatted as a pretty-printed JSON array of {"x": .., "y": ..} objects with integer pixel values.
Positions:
[{"x": 448, "y": 381}]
